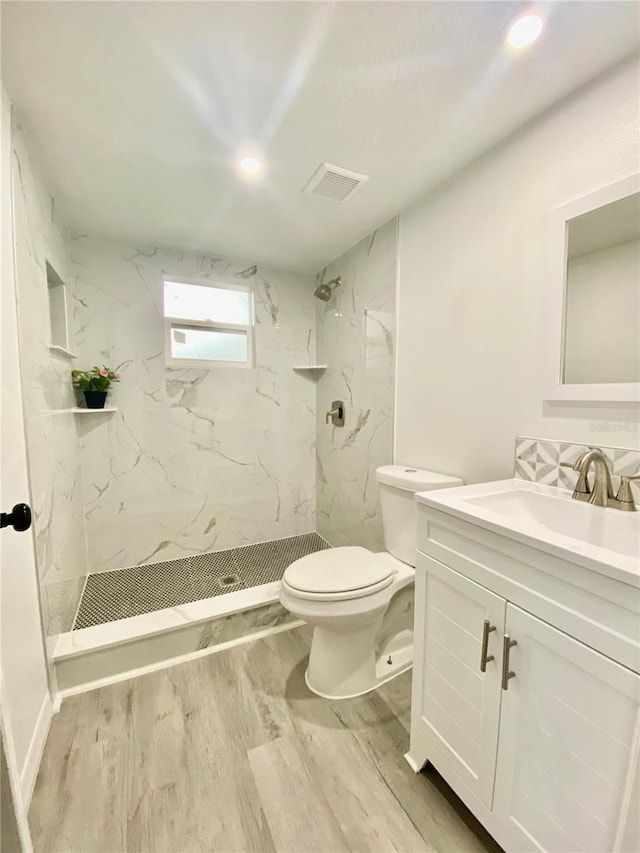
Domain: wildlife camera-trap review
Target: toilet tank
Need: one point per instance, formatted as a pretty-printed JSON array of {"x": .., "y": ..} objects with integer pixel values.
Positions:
[{"x": 398, "y": 484}]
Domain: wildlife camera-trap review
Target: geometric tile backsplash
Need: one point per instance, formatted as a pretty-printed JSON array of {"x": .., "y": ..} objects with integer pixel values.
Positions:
[{"x": 538, "y": 460}]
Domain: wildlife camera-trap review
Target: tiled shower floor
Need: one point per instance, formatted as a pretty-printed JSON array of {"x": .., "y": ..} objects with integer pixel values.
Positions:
[{"x": 109, "y": 596}]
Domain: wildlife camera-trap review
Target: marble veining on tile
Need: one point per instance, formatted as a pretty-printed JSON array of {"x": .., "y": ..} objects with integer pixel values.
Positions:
[
  {"x": 355, "y": 338},
  {"x": 236, "y": 625},
  {"x": 194, "y": 460},
  {"x": 51, "y": 431}
]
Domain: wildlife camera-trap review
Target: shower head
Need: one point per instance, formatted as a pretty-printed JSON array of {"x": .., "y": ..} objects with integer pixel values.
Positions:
[{"x": 323, "y": 293}]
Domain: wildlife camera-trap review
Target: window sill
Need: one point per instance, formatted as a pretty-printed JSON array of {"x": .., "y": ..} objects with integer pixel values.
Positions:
[{"x": 186, "y": 364}]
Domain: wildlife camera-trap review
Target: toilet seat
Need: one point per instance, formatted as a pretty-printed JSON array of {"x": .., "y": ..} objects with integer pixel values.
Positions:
[
  {"x": 348, "y": 595},
  {"x": 338, "y": 574}
]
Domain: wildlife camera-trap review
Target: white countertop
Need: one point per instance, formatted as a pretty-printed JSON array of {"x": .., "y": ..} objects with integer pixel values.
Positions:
[{"x": 605, "y": 540}]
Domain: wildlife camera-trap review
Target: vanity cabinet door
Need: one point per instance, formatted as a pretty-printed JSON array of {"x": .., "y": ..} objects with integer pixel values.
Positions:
[
  {"x": 567, "y": 772},
  {"x": 456, "y": 706}
]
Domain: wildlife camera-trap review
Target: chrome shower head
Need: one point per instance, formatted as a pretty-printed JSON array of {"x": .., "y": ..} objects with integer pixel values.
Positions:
[{"x": 323, "y": 293}]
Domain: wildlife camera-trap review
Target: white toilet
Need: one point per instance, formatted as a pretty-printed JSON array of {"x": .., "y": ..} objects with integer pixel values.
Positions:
[{"x": 360, "y": 603}]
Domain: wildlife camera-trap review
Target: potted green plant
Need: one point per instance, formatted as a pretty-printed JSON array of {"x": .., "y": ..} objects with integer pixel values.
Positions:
[{"x": 95, "y": 384}]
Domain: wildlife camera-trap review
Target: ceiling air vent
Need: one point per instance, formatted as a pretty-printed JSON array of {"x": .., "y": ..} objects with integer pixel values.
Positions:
[{"x": 334, "y": 182}]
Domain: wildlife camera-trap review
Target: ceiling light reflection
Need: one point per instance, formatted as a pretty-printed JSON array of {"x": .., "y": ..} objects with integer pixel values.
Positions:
[
  {"x": 524, "y": 31},
  {"x": 250, "y": 165}
]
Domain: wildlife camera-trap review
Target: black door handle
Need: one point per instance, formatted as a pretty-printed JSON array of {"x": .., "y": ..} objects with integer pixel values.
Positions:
[{"x": 19, "y": 518}]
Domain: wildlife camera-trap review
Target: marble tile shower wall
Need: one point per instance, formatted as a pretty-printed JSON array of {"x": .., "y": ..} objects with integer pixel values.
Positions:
[
  {"x": 54, "y": 462},
  {"x": 355, "y": 334},
  {"x": 194, "y": 460}
]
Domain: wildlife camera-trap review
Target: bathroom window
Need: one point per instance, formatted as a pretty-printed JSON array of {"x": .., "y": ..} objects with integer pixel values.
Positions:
[{"x": 208, "y": 324}]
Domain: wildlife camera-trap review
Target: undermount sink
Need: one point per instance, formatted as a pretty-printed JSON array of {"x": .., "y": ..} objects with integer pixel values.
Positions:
[
  {"x": 568, "y": 517},
  {"x": 605, "y": 539}
]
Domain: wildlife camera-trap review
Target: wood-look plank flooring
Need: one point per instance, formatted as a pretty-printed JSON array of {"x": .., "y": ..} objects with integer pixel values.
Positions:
[{"x": 232, "y": 752}]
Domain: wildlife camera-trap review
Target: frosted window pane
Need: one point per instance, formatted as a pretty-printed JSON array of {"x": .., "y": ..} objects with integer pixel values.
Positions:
[
  {"x": 208, "y": 345},
  {"x": 196, "y": 302}
]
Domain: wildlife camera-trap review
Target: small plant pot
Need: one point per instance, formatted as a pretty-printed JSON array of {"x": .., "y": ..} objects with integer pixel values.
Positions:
[{"x": 95, "y": 399}]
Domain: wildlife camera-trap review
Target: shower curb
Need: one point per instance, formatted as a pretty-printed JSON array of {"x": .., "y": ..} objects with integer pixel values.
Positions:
[{"x": 89, "y": 658}]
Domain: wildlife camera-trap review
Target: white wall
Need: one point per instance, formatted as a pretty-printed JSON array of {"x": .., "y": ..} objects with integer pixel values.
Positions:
[
  {"x": 473, "y": 352},
  {"x": 603, "y": 295}
]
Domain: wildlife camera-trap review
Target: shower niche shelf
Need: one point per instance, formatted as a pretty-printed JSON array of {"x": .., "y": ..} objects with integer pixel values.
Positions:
[
  {"x": 309, "y": 368},
  {"x": 79, "y": 411}
]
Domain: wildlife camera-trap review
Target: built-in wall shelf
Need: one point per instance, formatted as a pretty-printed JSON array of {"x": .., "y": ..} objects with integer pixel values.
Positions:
[
  {"x": 310, "y": 367},
  {"x": 78, "y": 411},
  {"x": 58, "y": 350}
]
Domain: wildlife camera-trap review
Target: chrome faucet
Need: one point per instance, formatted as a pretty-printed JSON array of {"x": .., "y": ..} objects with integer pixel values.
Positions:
[
  {"x": 602, "y": 492},
  {"x": 624, "y": 498}
]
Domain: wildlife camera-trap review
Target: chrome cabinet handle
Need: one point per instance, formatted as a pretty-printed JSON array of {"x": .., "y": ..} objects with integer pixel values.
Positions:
[
  {"x": 507, "y": 645},
  {"x": 484, "y": 658}
]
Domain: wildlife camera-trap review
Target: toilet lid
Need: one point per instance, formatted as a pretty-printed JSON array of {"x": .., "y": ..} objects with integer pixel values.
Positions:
[{"x": 337, "y": 570}]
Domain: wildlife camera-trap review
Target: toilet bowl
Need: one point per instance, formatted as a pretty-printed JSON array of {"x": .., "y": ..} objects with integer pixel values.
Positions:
[{"x": 360, "y": 603}]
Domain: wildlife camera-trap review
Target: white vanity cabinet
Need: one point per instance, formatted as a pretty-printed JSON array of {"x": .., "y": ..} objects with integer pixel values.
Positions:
[
  {"x": 568, "y": 744},
  {"x": 548, "y": 758},
  {"x": 459, "y": 707}
]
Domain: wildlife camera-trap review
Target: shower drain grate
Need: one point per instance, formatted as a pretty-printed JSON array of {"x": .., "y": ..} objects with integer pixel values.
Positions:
[
  {"x": 109, "y": 596},
  {"x": 230, "y": 580}
]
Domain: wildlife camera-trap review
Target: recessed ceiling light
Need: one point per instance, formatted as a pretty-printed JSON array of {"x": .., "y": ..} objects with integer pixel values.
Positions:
[
  {"x": 250, "y": 165},
  {"x": 524, "y": 31}
]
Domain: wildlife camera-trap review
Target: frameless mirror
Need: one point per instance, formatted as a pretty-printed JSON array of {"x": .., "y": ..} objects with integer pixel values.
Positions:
[
  {"x": 602, "y": 302},
  {"x": 597, "y": 296}
]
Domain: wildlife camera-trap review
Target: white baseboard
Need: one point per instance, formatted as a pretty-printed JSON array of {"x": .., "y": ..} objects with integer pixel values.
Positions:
[
  {"x": 174, "y": 661},
  {"x": 36, "y": 748}
]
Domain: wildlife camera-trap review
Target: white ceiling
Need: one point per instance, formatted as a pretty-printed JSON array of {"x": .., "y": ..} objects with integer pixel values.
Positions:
[{"x": 137, "y": 109}]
